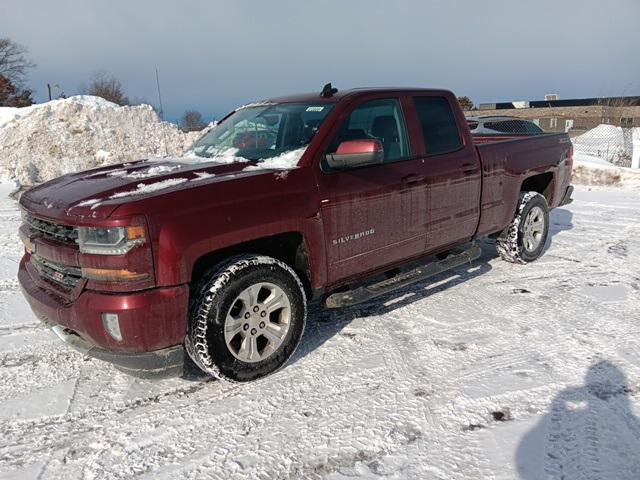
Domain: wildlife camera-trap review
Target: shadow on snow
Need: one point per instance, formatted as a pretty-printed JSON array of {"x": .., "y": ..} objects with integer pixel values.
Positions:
[{"x": 590, "y": 432}]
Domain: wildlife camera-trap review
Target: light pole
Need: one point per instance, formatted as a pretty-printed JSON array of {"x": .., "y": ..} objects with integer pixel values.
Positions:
[{"x": 56, "y": 86}]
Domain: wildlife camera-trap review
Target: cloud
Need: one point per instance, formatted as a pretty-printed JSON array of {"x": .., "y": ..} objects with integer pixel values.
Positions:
[{"x": 215, "y": 55}]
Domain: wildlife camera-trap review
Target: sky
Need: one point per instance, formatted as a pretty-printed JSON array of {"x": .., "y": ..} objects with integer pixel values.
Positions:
[{"x": 214, "y": 55}]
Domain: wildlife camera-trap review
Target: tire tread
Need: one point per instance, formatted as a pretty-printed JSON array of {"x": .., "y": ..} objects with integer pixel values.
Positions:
[{"x": 204, "y": 300}]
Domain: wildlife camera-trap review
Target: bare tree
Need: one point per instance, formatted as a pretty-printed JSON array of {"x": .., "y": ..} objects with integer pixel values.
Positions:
[
  {"x": 13, "y": 73},
  {"x": 613, "y": 109},
  {"x": 12, "y": 96},
  {"x": 107, "y": 86},
  {"x": 465, "y": 103},
  {"x": 192, "y": 121},
  {"x": 13, "y": 62}
]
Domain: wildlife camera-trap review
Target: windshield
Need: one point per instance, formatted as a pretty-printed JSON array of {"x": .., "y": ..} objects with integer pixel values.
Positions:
[{"x": 264, "y": 132}]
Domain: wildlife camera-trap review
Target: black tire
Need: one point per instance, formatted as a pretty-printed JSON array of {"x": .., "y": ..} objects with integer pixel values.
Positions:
[
  {"x": 213, "y": 300},
  {"x": 511, "y": 244}
]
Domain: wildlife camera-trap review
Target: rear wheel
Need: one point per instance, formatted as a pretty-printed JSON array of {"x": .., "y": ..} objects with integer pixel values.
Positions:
[
  {"x": 524, "y": 239},
  {"x": 247, "y": 318}
]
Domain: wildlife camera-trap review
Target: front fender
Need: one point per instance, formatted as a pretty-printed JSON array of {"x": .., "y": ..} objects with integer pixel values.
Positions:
[{"x": 237, "y": 212}]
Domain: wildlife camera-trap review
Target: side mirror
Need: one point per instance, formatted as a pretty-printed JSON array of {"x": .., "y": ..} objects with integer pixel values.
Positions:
[{"x": 356, "y": 153}]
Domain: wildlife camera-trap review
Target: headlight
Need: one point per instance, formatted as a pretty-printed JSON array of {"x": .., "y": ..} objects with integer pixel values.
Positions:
[{"x": 110, "y": 241}]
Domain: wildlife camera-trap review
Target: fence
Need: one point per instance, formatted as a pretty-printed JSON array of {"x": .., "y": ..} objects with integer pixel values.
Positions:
[{"x": 618, "y": 146}]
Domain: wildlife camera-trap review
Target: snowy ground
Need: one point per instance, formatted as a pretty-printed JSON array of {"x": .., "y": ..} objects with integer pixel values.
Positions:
[{"x": 499, "y": 371}]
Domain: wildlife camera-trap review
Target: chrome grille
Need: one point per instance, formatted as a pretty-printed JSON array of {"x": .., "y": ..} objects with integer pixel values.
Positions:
[
  {"x": 52, "y": 231},
  {"x": 63, "y": 275}
]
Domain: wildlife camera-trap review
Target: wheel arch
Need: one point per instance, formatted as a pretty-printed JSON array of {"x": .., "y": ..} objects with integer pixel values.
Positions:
[
  {"x": 289, "y": 247},
  {"x": 509, "y": 242},
  {"x": 543, "y": 183}
]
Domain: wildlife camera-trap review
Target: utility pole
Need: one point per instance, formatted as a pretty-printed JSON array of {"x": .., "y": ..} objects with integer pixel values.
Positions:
[
  {"x": 166, "y": 147},
  {"x": 159, "y": 96}
]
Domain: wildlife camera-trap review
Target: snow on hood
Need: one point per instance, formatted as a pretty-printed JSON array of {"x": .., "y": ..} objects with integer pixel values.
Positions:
[
  {"x": 144, "y": 188},
  {"x": 226, "y": 157},
  {"x": 148, "y": 172},
  {"x": 140, "y": 189},
  {"x": 284, "y": 161},
  {"x": 84, "y": 192}
]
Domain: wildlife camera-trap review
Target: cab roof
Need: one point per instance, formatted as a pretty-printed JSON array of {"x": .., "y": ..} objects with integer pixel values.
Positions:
[
  {"x": 342, "y": 94},
  {"x": 492, "y": 118}
]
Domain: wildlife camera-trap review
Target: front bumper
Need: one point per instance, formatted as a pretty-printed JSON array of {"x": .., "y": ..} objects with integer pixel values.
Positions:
[
  {"x": 165, "y": 362},
  {"x": 153, "y": 322}
]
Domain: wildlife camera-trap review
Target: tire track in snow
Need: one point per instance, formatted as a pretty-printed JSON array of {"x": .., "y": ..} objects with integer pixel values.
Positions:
[{"x": 348, "y": 403}]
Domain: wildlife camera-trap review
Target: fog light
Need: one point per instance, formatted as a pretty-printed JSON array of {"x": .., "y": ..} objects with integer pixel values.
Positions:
[
  {"x": 28, "y": 244},
  {"x": 112, "y": 325}
]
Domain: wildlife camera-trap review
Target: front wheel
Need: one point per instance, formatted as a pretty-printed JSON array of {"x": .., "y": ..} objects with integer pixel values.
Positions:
[
  {"x": 524, "y": 239},
  {"x": 247, "y": 318}
]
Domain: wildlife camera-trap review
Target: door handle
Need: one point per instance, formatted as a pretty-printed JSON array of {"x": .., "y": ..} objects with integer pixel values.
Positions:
[
  {"x": 469, "y": 167},
  {"x": 412, "y": 179}
]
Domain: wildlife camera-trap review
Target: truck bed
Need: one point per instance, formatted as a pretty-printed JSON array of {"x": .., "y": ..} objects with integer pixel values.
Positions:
[
  {"x": 506, "y": 160},
  {"x": 482, "y": 138}
]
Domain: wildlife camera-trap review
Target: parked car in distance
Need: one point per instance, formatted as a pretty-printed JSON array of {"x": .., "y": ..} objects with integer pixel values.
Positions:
[
  {"x": 340, "y": 195},
  {"x": 501, "y": 125}
]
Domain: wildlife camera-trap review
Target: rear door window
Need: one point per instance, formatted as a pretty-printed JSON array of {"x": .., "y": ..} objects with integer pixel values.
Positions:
[{"x": 439, "y": 127}]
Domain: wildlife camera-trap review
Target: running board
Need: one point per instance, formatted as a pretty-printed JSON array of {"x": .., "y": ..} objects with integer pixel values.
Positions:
[{"x": 362, "y": 294}]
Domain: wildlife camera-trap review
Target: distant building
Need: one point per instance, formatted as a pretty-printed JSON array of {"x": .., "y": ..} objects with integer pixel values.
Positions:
[{"x": 572, "y": 115}]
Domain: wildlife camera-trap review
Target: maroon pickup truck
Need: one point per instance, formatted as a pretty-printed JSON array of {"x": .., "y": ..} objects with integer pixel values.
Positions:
[{"x": 343, "y": 196}]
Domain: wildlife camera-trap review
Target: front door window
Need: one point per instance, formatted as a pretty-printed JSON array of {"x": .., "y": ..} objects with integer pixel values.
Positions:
[{"x": 379, "y": 119}]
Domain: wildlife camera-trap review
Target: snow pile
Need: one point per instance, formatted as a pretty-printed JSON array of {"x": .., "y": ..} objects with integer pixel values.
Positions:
[
  {"x": 592, "y": 170},
  {"x": 7, "y": 114},
  {"x": 607, "y": 142},
  {"x": 47, "y": 140}
]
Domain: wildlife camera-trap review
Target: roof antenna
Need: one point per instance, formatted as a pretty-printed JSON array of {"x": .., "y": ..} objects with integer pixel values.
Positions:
[{"x": 328, "y": 91}]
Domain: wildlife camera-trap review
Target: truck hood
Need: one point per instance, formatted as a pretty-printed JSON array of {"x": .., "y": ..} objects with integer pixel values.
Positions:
[{"x": 97, "y": 193}]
